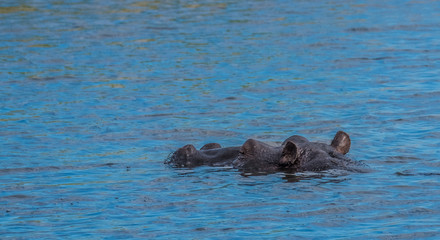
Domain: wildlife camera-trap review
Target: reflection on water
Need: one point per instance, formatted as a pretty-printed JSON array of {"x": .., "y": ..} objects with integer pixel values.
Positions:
[{"x": 94, "y": 96}]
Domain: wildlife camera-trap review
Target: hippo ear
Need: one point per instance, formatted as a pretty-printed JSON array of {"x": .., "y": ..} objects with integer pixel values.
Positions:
[
  {"x": 289, "y": 154},
  {"x": 210, "y": 146},
  {"x": 341, "y": 142}
]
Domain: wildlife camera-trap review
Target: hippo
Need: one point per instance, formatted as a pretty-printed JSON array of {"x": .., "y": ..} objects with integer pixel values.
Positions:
[{"x": 295, "y": 154}]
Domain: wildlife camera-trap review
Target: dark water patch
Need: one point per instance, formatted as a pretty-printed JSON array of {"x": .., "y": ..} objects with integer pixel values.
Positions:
[
  {"x": 360, "y": 59},
  {"x": 416, "y": 235},
  {"x": 411, "y": 50},
  {"x": 16, "y": 197},
  {"x": 415, "y": 66},
  {"x": 321, "y": 178},
  {"x": 161, "y": 28},
  {"x": 410, "y": 173},
  {"x": 401, "y": 159},
  {"x": 51, "y": 78},
  {"x": 52, "y": 168},
  {"x": 176, "y": 115},
  {"x": 362, "y": 29},
  {"x": 415, "y": 27},
  {"x": 424, "y": 95}
]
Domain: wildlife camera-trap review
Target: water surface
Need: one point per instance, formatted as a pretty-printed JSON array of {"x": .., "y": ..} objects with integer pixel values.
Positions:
[{"x": 94, "y": 95}]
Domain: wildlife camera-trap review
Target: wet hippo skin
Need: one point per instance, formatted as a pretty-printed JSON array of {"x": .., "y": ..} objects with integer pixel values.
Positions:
[
  {"x": 211, "y": 154},
  {"x": 295, "y": 154}
]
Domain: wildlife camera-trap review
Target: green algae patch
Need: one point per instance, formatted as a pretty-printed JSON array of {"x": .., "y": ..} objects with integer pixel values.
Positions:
[
  {"x": 111, "y": 85},
  {"x": 41, "y": 46},
  {"x": 13, "y": 9}
]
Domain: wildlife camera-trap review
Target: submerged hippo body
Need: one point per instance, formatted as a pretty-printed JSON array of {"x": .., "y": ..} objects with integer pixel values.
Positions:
[{"x": 295, "y": 154}]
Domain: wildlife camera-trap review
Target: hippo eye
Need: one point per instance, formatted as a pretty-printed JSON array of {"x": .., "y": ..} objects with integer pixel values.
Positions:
[{"x": 332, "y": 154}]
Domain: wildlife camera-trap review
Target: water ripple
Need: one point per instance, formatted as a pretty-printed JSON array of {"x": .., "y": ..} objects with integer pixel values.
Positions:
[{"x": 94, "y": 96}]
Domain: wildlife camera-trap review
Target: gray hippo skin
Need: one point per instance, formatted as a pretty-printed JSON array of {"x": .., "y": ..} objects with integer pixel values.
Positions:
[
  {"x": 211, "y": 154},
  {"x": 294, "y": 155}
]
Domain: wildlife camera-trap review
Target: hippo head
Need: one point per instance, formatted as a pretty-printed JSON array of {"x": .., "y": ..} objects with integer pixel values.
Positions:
[
  {"x": 295, "y": 154},
  {"x": 186, "y": 156},
  {"x": 300, "y": 154},
  {"x": 257, "y": 156}
]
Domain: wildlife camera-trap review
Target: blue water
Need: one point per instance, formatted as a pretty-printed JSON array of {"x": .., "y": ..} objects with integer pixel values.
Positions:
[{"x": 94, "y": 95}]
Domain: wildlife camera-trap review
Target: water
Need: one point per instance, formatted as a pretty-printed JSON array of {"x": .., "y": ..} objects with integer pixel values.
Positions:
[{"x": 94, "y": 95}]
